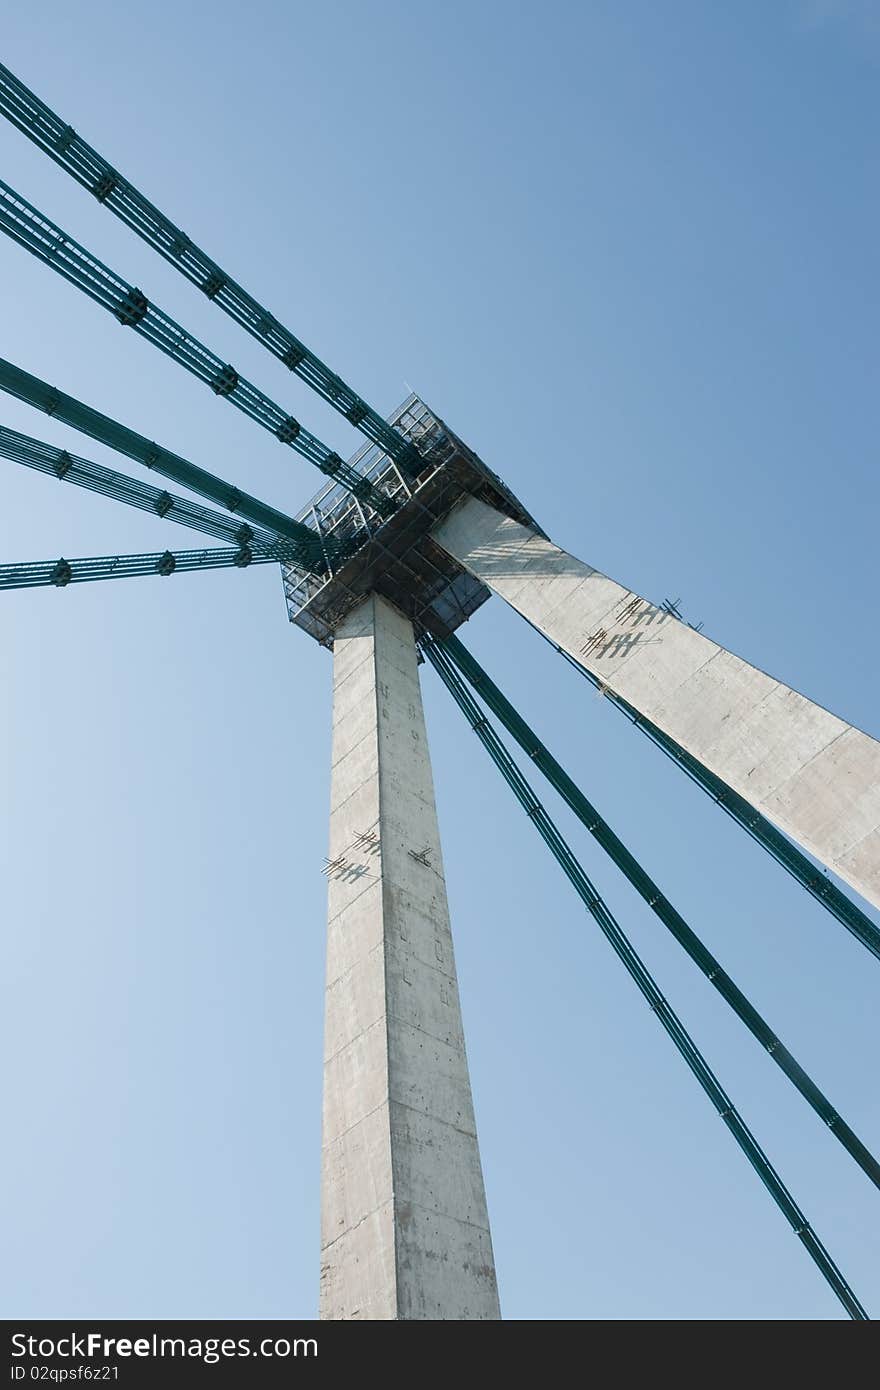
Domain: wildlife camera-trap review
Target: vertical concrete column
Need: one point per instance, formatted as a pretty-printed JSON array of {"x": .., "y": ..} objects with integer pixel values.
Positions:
[
  {"x": 404, "y": 1225},
  {"x": 814, "y": 775}
]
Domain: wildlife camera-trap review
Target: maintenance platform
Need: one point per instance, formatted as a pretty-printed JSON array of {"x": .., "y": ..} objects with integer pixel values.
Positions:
[{"x": 395, "y": 555}]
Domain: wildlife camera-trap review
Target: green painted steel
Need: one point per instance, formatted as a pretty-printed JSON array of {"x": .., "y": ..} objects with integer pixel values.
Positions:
[
  {"x": 70, "y": 468},
  {"x": 644, "y": 980},
  {"x": 24, "y": 224},
  {"x": 757, "y": 826},
  {"x": 468, "y": 667},
  {"x": 58, "y": 140},
  {"x": 60, "y": 573},
  {"x": 309, "y": 550}
]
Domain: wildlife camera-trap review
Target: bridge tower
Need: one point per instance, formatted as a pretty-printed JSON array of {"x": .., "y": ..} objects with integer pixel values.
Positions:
[{"x": 404, "y": 543}]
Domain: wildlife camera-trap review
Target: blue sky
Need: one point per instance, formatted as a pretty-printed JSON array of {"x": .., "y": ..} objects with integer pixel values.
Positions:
[{"x": 629, "y": 253}]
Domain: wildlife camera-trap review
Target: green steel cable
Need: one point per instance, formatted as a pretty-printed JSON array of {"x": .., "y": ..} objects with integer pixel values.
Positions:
[
  {"x": 25, "y": 224},
  {"x": 308, "y": 549},
  {"x": 60, "y": 573},
  {"x": 468, "y": 667},
  {"x": 644, "y": 980},
  {"x": 70, "y": 468},
  {"x": 757, "y": 826},
  {"x": 58, "y": 140}
]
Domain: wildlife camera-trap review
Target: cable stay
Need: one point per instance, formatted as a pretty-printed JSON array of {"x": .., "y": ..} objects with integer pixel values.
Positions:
[
  {"x": 24, "y": 224},
  {"x": 58, "y": 139},
  {"x": 644, "y": 981},
  {"x": 317, "y": 554},
  {"x": 60, "y": 573},
  {"x": 762, "y": 831},
  {"x": 467, "y": 667},
  {"x": 69, "y": 468}
]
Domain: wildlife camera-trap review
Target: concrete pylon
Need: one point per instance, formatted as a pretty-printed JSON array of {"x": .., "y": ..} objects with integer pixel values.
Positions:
[
  {"x": 812, "y": 774},
  {"x": 404, "y": 1225}
]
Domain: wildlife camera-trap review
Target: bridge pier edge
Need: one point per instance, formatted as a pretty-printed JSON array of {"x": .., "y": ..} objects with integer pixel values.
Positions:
[{"x": 404, "y": 1223}]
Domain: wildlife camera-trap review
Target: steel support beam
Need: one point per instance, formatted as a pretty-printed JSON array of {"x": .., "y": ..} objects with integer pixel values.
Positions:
[
  {"x": 811, "y": 773},
  {"x": 404, "y": 1225}
]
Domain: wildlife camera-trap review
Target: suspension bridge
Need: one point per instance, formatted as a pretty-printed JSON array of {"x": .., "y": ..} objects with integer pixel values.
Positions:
[{"x": 403, "y": 543}]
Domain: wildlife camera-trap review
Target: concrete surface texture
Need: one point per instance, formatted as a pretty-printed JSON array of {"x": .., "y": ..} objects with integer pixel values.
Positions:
[
  {"x": 404, "y": 1225},
  {"x": 811, "y": 773}
]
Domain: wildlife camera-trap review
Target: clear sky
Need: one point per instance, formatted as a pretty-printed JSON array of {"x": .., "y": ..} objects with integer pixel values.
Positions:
[{"x": 628, "y": 251}]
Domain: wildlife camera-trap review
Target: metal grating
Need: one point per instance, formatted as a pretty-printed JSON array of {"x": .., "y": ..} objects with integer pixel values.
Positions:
[{"x": 395, "y": 555}]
